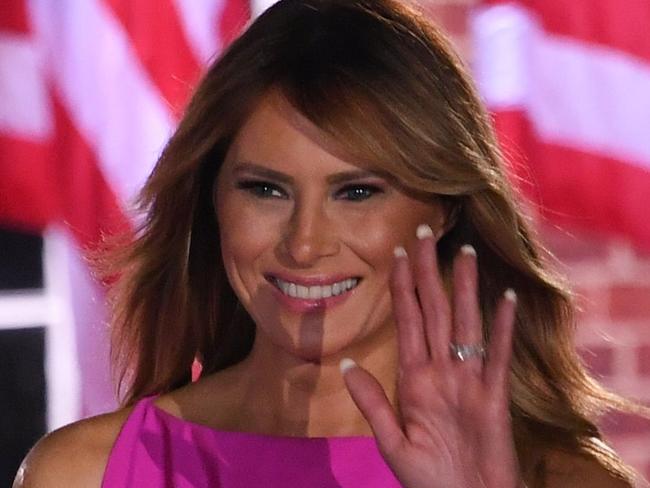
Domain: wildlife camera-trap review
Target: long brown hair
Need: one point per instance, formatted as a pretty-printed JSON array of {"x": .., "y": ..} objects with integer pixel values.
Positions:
[{"x": 383, "y": 82}]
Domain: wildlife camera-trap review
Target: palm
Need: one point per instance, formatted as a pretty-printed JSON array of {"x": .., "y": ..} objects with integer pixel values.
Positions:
[
  {"x": 446, "y": 423},
  {"x": 452, "y": 428}
]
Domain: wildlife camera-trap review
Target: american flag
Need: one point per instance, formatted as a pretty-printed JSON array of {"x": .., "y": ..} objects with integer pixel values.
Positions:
[
  {"x": 569, "y": 84},
  {"x": 90, "y": 90}
]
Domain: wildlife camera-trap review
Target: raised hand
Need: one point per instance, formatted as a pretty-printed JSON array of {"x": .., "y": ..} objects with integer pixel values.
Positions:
[{"x": 453, "y": 426}]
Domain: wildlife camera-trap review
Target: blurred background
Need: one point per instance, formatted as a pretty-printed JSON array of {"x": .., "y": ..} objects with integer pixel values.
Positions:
[{"x": 90, "y": 91}]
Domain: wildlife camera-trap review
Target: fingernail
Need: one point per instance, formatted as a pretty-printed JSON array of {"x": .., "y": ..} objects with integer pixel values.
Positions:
[
  {"x": 510, "y": 295},
  {"x": 468, "y": 250},
  {"x": 399, "y": 252},
  {"x": 346, "y": 364},
  {"x": 423, "y": 231}
]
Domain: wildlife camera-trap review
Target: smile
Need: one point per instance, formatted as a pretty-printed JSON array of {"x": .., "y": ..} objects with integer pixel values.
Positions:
[{"x": 317, "y": 292}]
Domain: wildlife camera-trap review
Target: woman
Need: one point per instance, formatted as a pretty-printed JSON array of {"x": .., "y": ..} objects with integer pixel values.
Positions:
[{"x": 334, "y": 191}]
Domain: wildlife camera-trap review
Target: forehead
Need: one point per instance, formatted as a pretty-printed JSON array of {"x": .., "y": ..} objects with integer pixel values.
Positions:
[{"x": 278, "y": 135}]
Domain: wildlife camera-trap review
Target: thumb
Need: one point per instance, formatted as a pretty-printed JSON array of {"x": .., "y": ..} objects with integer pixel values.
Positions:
[{"x": 371, "y": 400}]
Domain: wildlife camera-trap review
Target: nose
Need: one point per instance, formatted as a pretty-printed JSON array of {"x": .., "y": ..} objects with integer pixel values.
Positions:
[{"x": 310, "y": 235}]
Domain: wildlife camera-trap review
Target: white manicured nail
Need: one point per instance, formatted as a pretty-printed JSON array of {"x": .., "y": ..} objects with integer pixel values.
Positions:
[
  {"x": 399, "y": 252},
  {"x": 423, "y": 231},
  {"x": 468, "y": 250},
  {"x": 510, "y": 295},
  {"x": 346, "y": 364}
]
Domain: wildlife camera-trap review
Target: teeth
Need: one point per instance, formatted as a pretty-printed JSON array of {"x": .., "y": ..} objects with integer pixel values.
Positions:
[
  {"x": 316, "y": 292},
  {"x": 285, "y": 287},
  {"x": 303, "y": 291},
  {"x": 336, "y": 288}
]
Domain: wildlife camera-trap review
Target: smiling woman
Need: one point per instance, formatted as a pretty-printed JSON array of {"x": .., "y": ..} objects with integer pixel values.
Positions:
[
  {"x": 310, "y": 237},
  {"x": 334, "y": 197}
]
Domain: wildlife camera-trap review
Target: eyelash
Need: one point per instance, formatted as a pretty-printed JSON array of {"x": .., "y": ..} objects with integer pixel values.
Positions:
[
  {"x": 263, "y": 189},
  {"x": 368, "y": 190},
  {"x": 260, "y": 189}
]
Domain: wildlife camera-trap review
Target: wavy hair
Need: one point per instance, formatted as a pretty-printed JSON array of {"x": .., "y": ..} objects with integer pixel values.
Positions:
[{"x": 384, "y": 83}]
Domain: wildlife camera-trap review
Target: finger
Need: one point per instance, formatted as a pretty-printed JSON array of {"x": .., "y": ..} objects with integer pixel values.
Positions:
[
  {"x": 433, "y": 298},
  {"x": 371, "y": 400},
  {"x": 497, "y": 365},
  {"x": 412, "y": 345},
  {"x": 467, "y": 327}
]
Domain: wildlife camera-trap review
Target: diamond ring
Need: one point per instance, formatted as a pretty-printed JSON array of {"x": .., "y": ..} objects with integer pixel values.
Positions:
[{"x": 463, "y": 352}]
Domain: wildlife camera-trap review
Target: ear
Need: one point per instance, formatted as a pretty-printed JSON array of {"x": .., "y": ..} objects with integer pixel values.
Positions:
[{"x": 450, "y": 212}]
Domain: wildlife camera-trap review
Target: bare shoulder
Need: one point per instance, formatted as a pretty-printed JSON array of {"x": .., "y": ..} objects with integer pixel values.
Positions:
[
  {"x": 563, "y": 469},
  {"x": 72, "y": 456}
]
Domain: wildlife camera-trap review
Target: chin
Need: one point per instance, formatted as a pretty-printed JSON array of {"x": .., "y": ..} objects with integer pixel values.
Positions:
[{"x": 318, "y": 353}]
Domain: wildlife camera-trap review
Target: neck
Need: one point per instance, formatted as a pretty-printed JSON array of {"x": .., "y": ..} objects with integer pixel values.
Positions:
[{"x": 282, "y": 394}]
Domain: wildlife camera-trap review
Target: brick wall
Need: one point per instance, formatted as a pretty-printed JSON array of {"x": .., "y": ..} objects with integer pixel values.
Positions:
[{"x": 612, "y": 282}]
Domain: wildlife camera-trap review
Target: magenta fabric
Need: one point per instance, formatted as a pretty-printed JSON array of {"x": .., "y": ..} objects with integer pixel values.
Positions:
[{"x": 156, "y": 449}]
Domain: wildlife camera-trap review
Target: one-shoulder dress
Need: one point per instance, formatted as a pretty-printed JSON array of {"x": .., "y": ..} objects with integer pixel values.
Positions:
[{"x": 156, "y": 449}]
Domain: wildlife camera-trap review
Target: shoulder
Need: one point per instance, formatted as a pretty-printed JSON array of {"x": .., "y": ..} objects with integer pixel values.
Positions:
[
  {"x": 564, "y": 469},
  {"x": 73, "y": 456}
]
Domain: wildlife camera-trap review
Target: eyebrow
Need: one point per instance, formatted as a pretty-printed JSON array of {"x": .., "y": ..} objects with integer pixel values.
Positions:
[{"x": 337, "y": 178}]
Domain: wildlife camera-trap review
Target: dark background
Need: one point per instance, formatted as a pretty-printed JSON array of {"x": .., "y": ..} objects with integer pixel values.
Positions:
[{"x": 22, "y": 373}]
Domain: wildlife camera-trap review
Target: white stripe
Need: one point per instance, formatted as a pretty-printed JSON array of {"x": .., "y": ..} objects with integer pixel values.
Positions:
[
  {"x": 502, "y": 64},
  {"x": 259, "y": 6},
  {"x": 200, "y": 19},
  {"x": 61, "y": 366},
  {"x": 24, "y": 308},
  {"x": 576, "y": 94},
  {"x": 24, "y": 102},
  {"x": 110, "y": 98}
]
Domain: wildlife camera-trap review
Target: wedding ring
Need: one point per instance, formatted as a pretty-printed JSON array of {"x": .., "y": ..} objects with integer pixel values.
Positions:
[{"x": 463, "y": 352}]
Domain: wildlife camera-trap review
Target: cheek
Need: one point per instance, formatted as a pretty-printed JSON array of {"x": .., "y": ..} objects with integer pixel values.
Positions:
[
  {"x": 378, "y": 233},
  {"x": 374, "y": 241},
  {"x": 245, "y": 232}
]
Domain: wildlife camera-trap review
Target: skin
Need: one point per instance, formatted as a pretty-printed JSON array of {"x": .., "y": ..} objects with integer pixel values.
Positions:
[
  {"x": 311, "y": 228},
  {"x": 437, "y": 421}
]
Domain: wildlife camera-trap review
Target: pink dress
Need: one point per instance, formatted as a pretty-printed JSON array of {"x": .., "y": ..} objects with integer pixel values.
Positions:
[{"x": 156, "y": 449}]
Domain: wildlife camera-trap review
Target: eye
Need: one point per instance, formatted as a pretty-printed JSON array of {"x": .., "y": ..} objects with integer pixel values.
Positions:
[
  {"x": 261, "y": 189},
  {"x": 358, "y": 193}
]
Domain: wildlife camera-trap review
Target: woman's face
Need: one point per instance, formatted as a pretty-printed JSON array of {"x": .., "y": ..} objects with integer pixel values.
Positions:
[{"x": 307, "y": 238}]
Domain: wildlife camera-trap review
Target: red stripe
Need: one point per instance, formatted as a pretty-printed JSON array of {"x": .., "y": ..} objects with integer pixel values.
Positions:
[
  {"x": 27, "y": 199},
  {"x": 158, "y": 39},
  {"x": 578, "y": 189},
  {"x": 232, "y": 20},
  {"x": 13, "y": 17},
  {"x": 89, "y": 208},
  {"x": 611, "y": 23},
  {"x": 57, "y": 182},
  {"x": 595, "y": 193}
]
